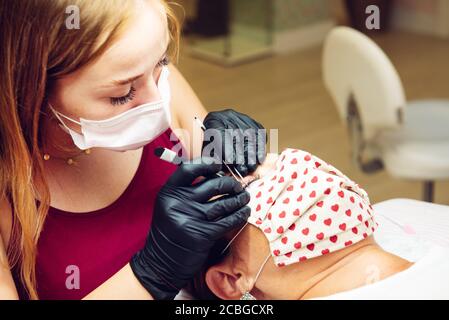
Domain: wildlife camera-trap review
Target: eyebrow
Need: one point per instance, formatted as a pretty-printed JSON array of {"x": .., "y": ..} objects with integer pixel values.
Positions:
[
  {"x": 129, "y": 80},
  {"x": 126, "y": 81}
]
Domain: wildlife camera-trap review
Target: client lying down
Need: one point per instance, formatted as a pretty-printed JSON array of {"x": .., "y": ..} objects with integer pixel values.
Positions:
[{"x": 309, "y": 235}]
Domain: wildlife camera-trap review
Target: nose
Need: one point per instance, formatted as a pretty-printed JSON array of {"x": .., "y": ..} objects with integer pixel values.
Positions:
[
  {"x": 149, "y": 91},
  {"x": 153, "y": 88}
]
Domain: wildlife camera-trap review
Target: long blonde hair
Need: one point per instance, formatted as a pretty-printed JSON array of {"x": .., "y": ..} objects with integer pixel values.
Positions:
[{"x": 36, "y": 48}]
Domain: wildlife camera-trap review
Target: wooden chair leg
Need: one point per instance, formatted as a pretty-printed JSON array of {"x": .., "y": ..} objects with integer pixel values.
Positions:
[{"x": 428, "y": 191}]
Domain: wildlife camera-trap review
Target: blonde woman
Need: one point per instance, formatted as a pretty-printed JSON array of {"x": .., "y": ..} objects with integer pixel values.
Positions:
[{"x": 79, "y": 216}]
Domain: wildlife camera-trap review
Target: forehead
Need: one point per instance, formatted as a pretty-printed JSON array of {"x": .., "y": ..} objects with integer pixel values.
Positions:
[{"x": 140, "y": 45}]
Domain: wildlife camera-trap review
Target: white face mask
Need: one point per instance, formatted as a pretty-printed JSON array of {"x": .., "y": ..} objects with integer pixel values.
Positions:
[{"x": 129, "y": 130}]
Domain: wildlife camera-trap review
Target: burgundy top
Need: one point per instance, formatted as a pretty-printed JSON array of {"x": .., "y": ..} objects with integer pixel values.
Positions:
[{"x": 93, "y": 246}]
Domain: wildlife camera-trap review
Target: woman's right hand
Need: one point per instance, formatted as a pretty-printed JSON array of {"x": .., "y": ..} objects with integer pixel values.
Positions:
[{"x": 186, "y": 225}]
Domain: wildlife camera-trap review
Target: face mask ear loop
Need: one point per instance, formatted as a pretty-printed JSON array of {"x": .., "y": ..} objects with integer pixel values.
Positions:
[
  {"x": 59, "y": 115},
  {"x": 261, "y": 267},
  {"x": 247, "y": 295},
  {"x": 230, "y": 242}
]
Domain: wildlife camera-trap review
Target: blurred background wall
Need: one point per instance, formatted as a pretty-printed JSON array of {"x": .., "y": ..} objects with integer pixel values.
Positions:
[{"x": 426, "y": 17}]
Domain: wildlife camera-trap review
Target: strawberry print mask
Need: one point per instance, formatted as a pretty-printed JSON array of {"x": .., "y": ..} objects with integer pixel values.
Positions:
[{"x": 307, "y": 208}]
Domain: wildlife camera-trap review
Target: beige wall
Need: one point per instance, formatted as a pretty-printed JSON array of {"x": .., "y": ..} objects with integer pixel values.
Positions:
[{"x": 427, "y": 17}]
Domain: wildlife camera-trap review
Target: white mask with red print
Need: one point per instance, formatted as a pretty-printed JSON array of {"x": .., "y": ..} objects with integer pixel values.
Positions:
[{"x": 307, "y": 208}]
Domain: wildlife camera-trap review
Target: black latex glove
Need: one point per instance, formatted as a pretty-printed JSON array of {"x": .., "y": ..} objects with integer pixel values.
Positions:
[
  {"x": 254, "y": 149},
  {"x": 185, "y": 226}
]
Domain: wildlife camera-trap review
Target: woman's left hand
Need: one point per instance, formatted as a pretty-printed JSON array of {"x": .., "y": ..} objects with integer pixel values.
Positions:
[{"x": 243, "y": 139}]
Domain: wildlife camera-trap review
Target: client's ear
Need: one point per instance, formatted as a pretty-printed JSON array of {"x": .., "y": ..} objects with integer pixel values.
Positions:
[{"x": 224, "y": 283}]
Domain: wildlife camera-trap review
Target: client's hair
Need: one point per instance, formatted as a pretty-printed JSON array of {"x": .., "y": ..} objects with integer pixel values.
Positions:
[{"x": 197, "y": 287}]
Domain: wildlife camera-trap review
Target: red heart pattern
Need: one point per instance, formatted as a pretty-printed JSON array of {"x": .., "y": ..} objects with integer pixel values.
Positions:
[{"x": 331, "y": 212}]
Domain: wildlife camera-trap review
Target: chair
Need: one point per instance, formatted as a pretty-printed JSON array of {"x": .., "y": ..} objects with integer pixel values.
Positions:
[{"x": 409, "y": 139}]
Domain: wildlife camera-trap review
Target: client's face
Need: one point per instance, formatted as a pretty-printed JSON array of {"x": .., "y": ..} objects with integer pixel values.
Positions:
[
  {"x": 268, "y": 165},
  {"x": 236, "y": 273},
  {"x": 230, "y": 278}
]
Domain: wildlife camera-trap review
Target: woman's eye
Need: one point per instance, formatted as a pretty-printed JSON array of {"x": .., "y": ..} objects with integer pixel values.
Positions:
[
  {"x": 132, "y": 91},
  {"x": 124, "y": 99},
  {"x": 163, "y": 62}
]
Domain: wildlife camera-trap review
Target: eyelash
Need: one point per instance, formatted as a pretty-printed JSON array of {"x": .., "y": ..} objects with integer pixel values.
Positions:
[
  {"x": 163, "y": 62},
  {"x": 132, "y": 91},
  {"x": 125, "y": 99}
]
